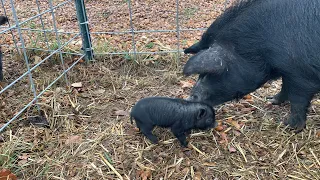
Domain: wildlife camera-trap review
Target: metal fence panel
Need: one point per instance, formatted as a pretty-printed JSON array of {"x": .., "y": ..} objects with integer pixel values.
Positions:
[{"x": 16, "y": 30}]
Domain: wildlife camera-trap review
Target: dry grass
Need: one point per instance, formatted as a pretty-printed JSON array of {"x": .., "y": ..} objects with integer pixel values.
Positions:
[{"x": 89, "y": 139}]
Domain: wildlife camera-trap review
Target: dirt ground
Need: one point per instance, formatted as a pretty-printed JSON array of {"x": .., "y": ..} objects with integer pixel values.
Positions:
[{"x": 90, "y": 134}]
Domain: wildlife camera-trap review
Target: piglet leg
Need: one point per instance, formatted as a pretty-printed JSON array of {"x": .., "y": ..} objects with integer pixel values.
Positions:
[
  {"x": 180, "y": 134},
  {"x": 188, "y": 132},
  {"x": 146, "y": 130}
]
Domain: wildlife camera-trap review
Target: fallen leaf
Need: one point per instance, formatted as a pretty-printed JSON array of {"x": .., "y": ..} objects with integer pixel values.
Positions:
[
  {"x": 121, "y": 113},
  {"x": 250, "y": 101},
  {"x": 6, "y": 174},
  {"x": 219, "y": 127},
  {"x": 77, "y": 85},
  {"x": 187, "y": 84},
  {"x": 197, "y": 175},
  {"x": 74, "y": 139},
  {"x": 318, "y": 134},
  {"x": 144, "y": 174},
  {"x": 229, "y": 120},
  {"x": 224, "y": 138},
  {"x": 248, "y": 96},
  {"x": 235, "y": 124},
  {"x": 232, "y": 149}
]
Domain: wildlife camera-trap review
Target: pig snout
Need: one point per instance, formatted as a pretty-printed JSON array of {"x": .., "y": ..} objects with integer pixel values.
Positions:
[{"x": 215, "y": 124}]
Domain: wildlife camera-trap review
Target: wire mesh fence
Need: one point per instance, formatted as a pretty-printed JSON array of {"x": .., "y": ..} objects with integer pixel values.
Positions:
[{"x": 39, "y": 37}]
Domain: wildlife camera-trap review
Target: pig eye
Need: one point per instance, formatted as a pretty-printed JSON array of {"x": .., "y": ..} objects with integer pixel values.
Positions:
[{"x": 195, "y": 97}]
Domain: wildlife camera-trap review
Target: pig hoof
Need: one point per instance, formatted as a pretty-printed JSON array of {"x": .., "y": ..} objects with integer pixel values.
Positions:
[
  {"x": 296, "y": 124},
  {"x": 275, "y": 100},
  {"x": 154, "y": 140}
]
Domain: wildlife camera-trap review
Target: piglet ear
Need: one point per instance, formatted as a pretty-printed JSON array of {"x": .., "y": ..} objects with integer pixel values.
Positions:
[
  {"x": 202, "y": 113},
  {"x": 212, "y": 60}
]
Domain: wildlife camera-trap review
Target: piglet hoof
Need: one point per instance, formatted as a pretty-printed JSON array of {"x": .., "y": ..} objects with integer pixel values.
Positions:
[
  {"x": 153, "y": 139},
  {"x": 296, "y": 124},
  {"x": 186, "y": 148},
  {"x": 184, "y": 144}
]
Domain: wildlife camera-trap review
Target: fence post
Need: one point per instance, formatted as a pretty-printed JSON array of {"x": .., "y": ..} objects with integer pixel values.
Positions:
[{"x": 84, "y": 29}]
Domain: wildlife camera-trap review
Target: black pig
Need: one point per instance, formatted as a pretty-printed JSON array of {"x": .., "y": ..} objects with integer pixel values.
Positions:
[
  {"x": 179, "y": 114},
  {"x": 266, "y": 40},
  {"x": 3, "y": 20},
  {"x": 220, "y": 22}
]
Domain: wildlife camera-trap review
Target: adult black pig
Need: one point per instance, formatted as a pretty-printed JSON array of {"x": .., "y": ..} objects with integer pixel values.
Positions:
[
  {"x": 3, "y": 20},
  {"x": 220, "y": 22},
  {"x": 178, "y": 114},
  {"x": 267, "y": 40}
]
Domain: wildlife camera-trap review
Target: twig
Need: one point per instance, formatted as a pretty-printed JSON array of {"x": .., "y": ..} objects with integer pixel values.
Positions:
[
  {"x": 295, "y": 177},
  {"x": 315, "y": 157},
  {"x": 280, "y": 156},
  {"x": 197, "y": 149},
  {"x": 241, "y": 151},
  {"x": 185, "y": 176},
  {"x": 110, "y": 166}
]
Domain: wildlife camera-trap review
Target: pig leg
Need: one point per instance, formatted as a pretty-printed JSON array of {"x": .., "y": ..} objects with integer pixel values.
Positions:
[
  {"x": 146, "y": 130},
  {"x": 300, "y": 101},
  {"x": 282, "y": 96},
  {"x": 180, "y": 134},
  {"x": 188, "y": 132}
]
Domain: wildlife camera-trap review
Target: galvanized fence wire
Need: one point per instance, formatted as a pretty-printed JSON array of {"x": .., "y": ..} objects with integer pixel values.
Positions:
[
  {"x": 133, "y": 32},
  {"x": 22, "y": 47},
  {"x": 87, "y": 48}
]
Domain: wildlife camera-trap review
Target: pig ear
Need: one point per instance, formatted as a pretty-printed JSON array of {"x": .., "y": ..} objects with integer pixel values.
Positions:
[
  {"x": 195, "y": 48},
  {"x": 202, "y": 113},
  {"x": 212, "y": 60}
]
